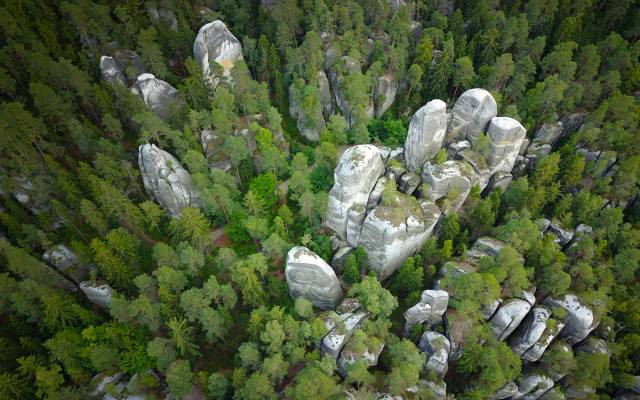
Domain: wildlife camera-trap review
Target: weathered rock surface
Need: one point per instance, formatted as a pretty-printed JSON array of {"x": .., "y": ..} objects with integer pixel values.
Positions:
[
  {"x": 437, "y": 299},
  {"x": 325, "y": 95},
  {"x": 564, "y": 235},
  {"x": 159, "y": 15},
  {"x": 355, "y": 176},
  {"x": 376, "y": 193},
  {"x": 553, "y": 394},
  {"x": 485, "y": 246},
  {"x": 508, "y": 317},
  {"x": 215, "y": 43},
  {"x": 348, "y": 305},
  {"x": 450, "y": 179},
  {"x": 409, "y": 182},
  {"x": 391, "y": 233},
  {"x": 530, "y": 330},
  {"x": 340, "y": 257},
  {"x": 535, "y": 352},
  {"x": 436, "y": 347},
  {"x": 505, "y": 137},
  {"x": 536, "y": 151},
  {"x": 61, "y": 257},
  {"x": 550, "y": 133},
  {"x": 310, "y": 125},
  {"x": 309, "y": 276},
  {"x": 97, "y": 293},
  {"x": 349, "y": 66},
  {"x": 110, "y": 71},
  {"x": 416, "y": 315},
  {"x": 500, "y": 180},
  {"x": 506, "y": 391},
  {"x": 430, "y": 308},
  {"x": 572, "y": 122},
  {"x": 158, "y": 95},
  {"x": 166, "y": 180},
  {"x": 532, "y": 385},
  {"x": 426, "y": 133},
  {"x": 384, "y": 93},
  {"x": 350, "y": 354},
  {"x": 580, "y": 320},
  {"x": 470, "y": 115},
  {"x": 335, "y": 340}
]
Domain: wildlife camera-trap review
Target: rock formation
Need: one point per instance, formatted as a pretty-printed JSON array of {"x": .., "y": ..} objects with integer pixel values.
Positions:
[
  {"x": 158, "y": 95},
  {"x": 165, "y": 179},
  {"x": 426, "y": 133},
  {"x": 532, "y": 385},
  {"x": 451, "y": 179},
  {"x": 97, "y": 293},
  {"x": 215, "y": 43},
  {"x": 348, "y": 66},
  {"x": 309, "y": 276},
  {"x": 436, "y": 346},
  {"x": 110, "y": 71},
  {"x": 470, "y": 115},
  {"x": 309, "y": 124},
  {"x": 351, "y": 353},
  {"x": 384, "y": 94},
  {"x": 336, "y": 339},
  {"x": 65, "y": 260},
  {"x": 530, "y": 330},
  {"x": 508, "y": 317},
  {"x": 580, "y": 320}
]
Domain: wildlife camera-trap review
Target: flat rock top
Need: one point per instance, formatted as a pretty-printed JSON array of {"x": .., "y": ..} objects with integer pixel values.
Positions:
[
  {"x": 357, "y": 158},
  {"x": 302, "y": 255}
]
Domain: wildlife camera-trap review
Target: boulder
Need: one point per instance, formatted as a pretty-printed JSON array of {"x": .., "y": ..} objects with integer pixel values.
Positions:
[
  {"x": 572, "y": 122},
  {"x": 481, "y": 173},
  {"x": 506, "y": 391},
  {"x": 436, "y": 347},
  {"x": 397, "y": 154},
  {"x": 325, "y": 95},
  {"x": 530, "y": 330},
  {"x": 384, "y": 93},
  {"x": 500, "y": 180},
  {"x": 485, "y": 246},
  {"x": 351, "y": 353},
  {"x": 348, "y": 66},
  {"x": 437, "y": 299},
  {"x": 426, "y": 132},
  {"x": 409, "y": 182},
  {"x": 66, "y": 261},
  {"x": 535, "y": 352},
  {"x": 335, "y": 340},
  {"x": 532, "y": 385},
  {"x": 456, "y": 147},
  {"x": 166, "y": 180},
  {"x": 110, "y": 71},
  {"x": 505, "y": 138},
  {"x": 536, "y": 151},
  {"x": 215, "y": 43},
  {"x": 310, "y": 277},
  {"x": 340, "y": 257},
  {"x": 580, "y": 320},
  {"x": 550, "y": 133},
  {"x": 564, "y": 235},
  {"x": 508, "y": 317},
  {"x": 416, "y": 315},
  {"x": 450, "y": 179},
  {"x": 521, "y": 167},
  {"x": 470, "y": 115},
  {"x": 158, "y": 95},
  {"x": 97, "y": 293},
  {"x": 310, "y": 125},
  {"x": 355, "y": 176},
  {"x": 488, "y": 310},
  {"x": 523, "y": 146},
  {"x": 394, "y": 231}
]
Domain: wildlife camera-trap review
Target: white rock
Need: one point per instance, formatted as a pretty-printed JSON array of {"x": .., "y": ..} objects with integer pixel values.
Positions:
[
  {"x": 376, "y": 193},
  {"x": 580, "y": 320},
  {"x": 416, "y": 315},
  {"x": 215, "y": 43},
  {"x": 564, "y": 235},
  {"x": 99, "y": 294},
  {"x": 391, "y": 234},
  {"x": 158, "y": 95},
  {"x": 437, "y": 348},
  {"x": 335, "y": 340},
  {"x": 325, "y": 95},
  {"x": 508, "y": 317},
  {"x": 426, "y": 132},
  {"x": 110, "y": 71},
  {"x": 61, "y": 257},
  {"x": 500, "y": 180},
  {"x": 355, "y": 218},
  {"x": 166, "y": 180},
  {"x": 437, "y": 299},
  {"x": 385, "y": 93},
  {"x": 450, "y": 179},
  {"x": 530, "y": 330},
  {"x": 537, "y": 350},
  {"x": 550, "y": 133},
  {"x": 355, "y": 176},
  {"x": 309, "y": 276},
  {"x": 408, "y": 182},
  {"x": 470, "y": 115},
  {"x": 505, "y": 138}
]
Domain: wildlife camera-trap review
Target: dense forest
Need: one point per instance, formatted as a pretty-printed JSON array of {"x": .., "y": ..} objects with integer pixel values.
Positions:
[{"x": 319, "y": 199}]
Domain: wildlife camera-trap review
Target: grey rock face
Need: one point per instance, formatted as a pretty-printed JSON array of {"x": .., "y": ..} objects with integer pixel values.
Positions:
[
  {"x": 158, "y": 95},
  {"x": 490, "y": 309},
  {"x": 454, "y": 148},
  {"x": 564, "y": 235},
  {"x": 505, "y": 138},
  {"x": 110, "y": 71},
  {"x": 572, "y": 122},
  {"x": 580, "y": 320},
  {"x": 523, "y": 146},
  {"x": 376, "y": 193},
  {"x": 537, "y": 350},
  {"x": 550, "y": 133},
  {"x": 500, "y": 180},
  {"x": 130, "y": 63},
  {"x": 554, "y": 394},
  {"x": 61, "y": 257},
  {"x": 537, "y": 150},
  {"x": 470, "y": 115},
  {"x": 593, "y": 345},
  {"x": 437, "y": 299},
  {"x": 508, "y": 317},
  {"x": 530, "y": 330},
  {"x": 163, "y": 16},
  {"x": 350, "y": 355},
  {"x": 355, "y": 176},
  {"x": 355, "y": 218},
  {"x": 350, "y": 66},
  {"x": 384, "y": 93},
  {"x": 309, "y": 126},
  {"x": 416, "y": 315},
  {"x": 506, "y": 391},
  {"x": 97, "y": 293},
  {"x": 348, "y": 305},
  {"x": 335, "y": 340},
  {"x": 166, "y": 180},
  {"x": 437, "y": 348},
  {"x": 426, "y": 133},
  {"x": 409, "y": 182},
  {"x": 340, "y": 257},
  {"x": 450, "y": 179},
  {"x": 485, "y": 246},
  {"x": 215, "y": 43},
  {"x": 310, "y": 277},
  {"x": 532, "y": 385},
  {"x": 325, "y": 95},
  {"x": 392, "y": 233}
]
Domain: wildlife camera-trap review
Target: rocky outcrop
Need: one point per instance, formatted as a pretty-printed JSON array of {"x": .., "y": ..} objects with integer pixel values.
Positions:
[
  {"x": 436, "y": 346},
  {"x": 162, "y": 16},
  {"x": 392, "y": 232},
  {"x": 505, "y": 137},
  {"x": 165, "y": 180},
  {"x": 384, "y": 94},
  {"x": 426, "y": 133},
  {"x": 355, "y": 176},
  {"x": 309, "y": 276},
  {"x": 485, "y": 246},
  {"x": 508, "y": 317},
  {"x": 65, "y": 260},
  {"x": 348, "y": 66},
  {"x": 451, "y": 179},
  {"x": 310, "y": 124},
  {"x": 416, "y": 315},
  {"x": 351, "y": 353},
  {"x": 580, "y": 320},
  {"x": 530, "y": 330},
  {"x": 110, "y": 71},
  {"x": 532, "y": 385},
  {"x": 335, "y": 340},
  {"x": 430, "y": 308},
  {"x": 506, "y": 391},
  {"x": 470, "y": 115},
  {"x": 97, "y": 293},
  {"x": 158, "y": 95},
  {"x": 563, "y": 236},
  {"x": 550, "y": 133},
  {"x": 325, "y": 95},
  {"x": 130, "y": 63},
  {"x": 535, "y": 352},
  {"x": 215, "y": 43}
]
